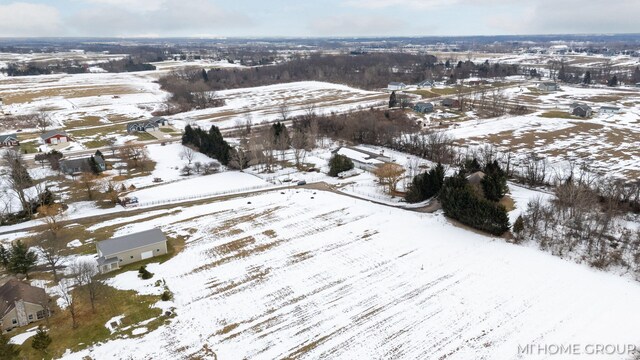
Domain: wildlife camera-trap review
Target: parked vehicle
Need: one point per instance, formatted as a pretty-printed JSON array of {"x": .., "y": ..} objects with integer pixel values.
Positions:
[{"x": 302, "y": 182}]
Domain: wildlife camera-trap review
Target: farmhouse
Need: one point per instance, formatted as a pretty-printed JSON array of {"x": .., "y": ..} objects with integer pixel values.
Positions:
[
  {"x": 393, "y": 86},
  {"x": 425, "y": 84},
  {"x": 21, "y": 304},
  {"x": 55, "y": 137},
  {"x": 548, "y": 86},
  {"x": 362, "y": 159},
  {"x": 143, "y": 126},
  {"x": 131, "y": 248},
  {"x": 9, "y": 140},
  {"x": 423, "y": 107},
  {"x": 80, "y": 165},
  {"x": 609, "y": 110},
  {"x": 582, "y": 110}
]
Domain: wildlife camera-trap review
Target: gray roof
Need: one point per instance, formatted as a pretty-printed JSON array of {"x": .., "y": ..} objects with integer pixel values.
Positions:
[
  {"x": 395, "y": 83},
  {"x": 3, "y": 138},
  {"x": 610, "y": 107},
  {"x": 129, "y": 242},
  {"x": 16, "y": 290},
  {"x": 51, "y": 133}
]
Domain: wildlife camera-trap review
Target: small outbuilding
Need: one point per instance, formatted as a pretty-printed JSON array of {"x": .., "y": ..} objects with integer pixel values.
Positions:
[
  {"x": 609, "y": 110},
  {"x": 394, "y": 86},
  {"x": 582, "y": 110},
  {"x": 548, "y": 86},
  {"x": 131, "y": 248}
]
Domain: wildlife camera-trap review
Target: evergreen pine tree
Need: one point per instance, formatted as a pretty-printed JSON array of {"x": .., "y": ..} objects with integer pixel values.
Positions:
[
  {"x": 393, "y": 100},
  {"x": 41, "y": 340},
  {"x": 587, "y": 78},
  {"x": 339, "y": 163},
  {"x": 5, "y": 256},
  {"x": 494, "y": 183},
  {"x": 22, "y": 259},
  {"x": 518, "y": 226},
  {"x": 205, "y": 76},
  {"x": 613, "y": 81},
  {"x": 8, "y": 351}
]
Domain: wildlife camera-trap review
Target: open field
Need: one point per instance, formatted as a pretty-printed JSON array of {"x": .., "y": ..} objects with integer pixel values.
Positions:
[
  {"x": 606, "y": 143},
  {"x": 288, "y": 276},
  {"x": 263, "y": 104}
]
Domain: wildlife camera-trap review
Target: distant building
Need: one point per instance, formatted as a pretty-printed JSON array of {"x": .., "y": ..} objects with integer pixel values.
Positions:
[
  {"x": 55, "y": 137},
  {"x": 394, "y": 86},
  {"x": 423, "y": 107},
  {"x": 582, "y": 110},
  {"x": 83, "y": 164},
  {"x": 362, "y": 159},
  {"x": 131, "y": 248},
  {"x": 21, "y": 304},
  {"x": 450, "y": 102},
  {"x": 548, "y": 86},
  {"x": 609, "y": 110},
  {"x": 145, "y": 126},
  {"x": 9, "y": 140},
  {"x": 425, "y": 84}
]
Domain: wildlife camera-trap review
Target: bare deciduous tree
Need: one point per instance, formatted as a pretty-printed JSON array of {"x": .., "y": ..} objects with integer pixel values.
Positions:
[
  {"x": 188, "y": 154},
  {"x": 17, "y": 177},
  {"x": 389, "y": 175}
]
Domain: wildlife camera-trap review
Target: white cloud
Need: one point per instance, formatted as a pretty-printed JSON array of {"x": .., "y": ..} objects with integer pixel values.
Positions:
[
  {"x": 163, "y": 17},
  {"x": 132, "y": 5},
  {"x": 21, "y": 19},
  {"x": 360, "y": 25}
]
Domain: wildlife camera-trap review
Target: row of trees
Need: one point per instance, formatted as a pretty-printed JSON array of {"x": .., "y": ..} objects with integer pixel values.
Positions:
[
  {"x": 210, "y": 143},
  {"x": 461, "y": 201}
]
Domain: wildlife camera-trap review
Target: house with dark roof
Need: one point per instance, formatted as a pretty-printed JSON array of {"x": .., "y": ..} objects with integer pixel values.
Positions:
[
  {"x": 423, "y": 107},
  {"x": 131, "y": 248},
  {"x": 450, "y": 102},
  {"x": 83, "y": 164},
  {"x": 55, "y": 137},
  {"x": 21, "y": 304},
  {"x": 582, "y": 110},
  {"x": 152, "y": 124},
  {"x": 9, "y": 140}
]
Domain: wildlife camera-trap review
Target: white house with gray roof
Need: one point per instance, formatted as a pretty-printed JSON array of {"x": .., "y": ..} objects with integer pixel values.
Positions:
[{"x": 131, "y": 248}]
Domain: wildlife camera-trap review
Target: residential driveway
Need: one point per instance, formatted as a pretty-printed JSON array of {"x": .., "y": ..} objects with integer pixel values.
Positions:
[{"x": 158, "y": 134}]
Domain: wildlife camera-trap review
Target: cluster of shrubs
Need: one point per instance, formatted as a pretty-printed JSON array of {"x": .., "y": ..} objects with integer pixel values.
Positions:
[
  {"x": 210, "y": 143},
  {"x": 475, "y": 206}
]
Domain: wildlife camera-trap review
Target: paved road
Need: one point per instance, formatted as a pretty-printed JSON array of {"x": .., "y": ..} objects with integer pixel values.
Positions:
[{"x": 123, "y": 212}]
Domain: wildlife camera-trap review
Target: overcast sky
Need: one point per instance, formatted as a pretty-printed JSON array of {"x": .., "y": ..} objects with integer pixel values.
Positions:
[{"x": 204, "y": 18}]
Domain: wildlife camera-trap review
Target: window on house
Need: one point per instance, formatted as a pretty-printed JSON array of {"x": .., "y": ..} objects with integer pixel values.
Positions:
[
  {"x": 40, "y": 314},
  {"x": 157, "y": 249},
  {"x": 132, "y": 256},
  {"x": 14, "y": 321},
  {"x": 30, "y": 317}
]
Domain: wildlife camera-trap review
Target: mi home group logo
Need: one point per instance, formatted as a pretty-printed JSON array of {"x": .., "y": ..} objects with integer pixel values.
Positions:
[{"x": 578, "y": 349}]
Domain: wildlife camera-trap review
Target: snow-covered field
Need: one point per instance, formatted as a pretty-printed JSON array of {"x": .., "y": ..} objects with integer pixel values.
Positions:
[
  {"x": 288, "y": 276},
  {"x": 263, "y": 103},
  {"x": 604, "y": 143}
]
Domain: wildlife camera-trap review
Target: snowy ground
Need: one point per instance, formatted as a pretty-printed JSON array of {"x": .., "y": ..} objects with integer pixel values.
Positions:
[
  {"x": 262, "y": 104},
  {"x": 332, "y": 277},
  {"x": 605, "y": 143}
]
